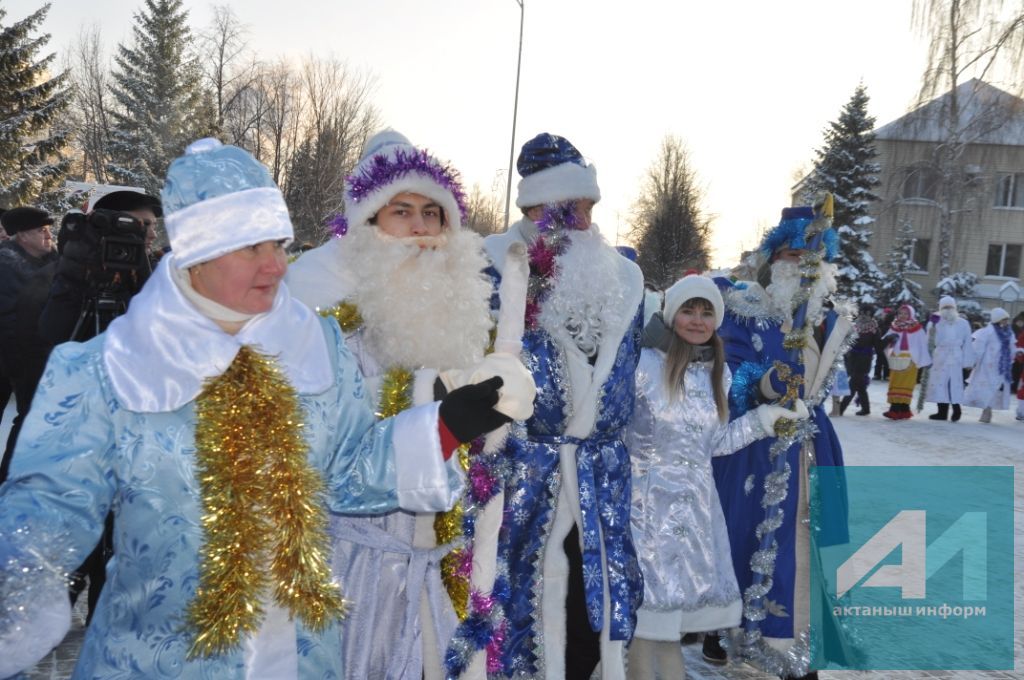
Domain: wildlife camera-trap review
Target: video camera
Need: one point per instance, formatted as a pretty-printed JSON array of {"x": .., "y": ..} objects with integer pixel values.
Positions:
[
  {"x": 106, "y": 251},
  {"x": 116, "y": 240}
]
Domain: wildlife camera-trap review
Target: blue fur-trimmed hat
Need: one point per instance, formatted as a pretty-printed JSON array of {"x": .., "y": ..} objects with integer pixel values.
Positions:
[
  {"x": 800, "y": 227},
  {"x": 552, "y": 171},
  {"x": 218, "y": 199}
]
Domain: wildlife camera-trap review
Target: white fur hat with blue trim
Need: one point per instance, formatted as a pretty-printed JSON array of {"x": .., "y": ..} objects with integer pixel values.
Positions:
[
  {"x": 553, "y": 171},
  {"x": 218, "y": 199},
  {"x": 688, "y": 288}
]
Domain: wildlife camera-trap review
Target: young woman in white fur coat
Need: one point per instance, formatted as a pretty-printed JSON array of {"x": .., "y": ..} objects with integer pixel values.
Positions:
[{"x": 680, "y": 422}]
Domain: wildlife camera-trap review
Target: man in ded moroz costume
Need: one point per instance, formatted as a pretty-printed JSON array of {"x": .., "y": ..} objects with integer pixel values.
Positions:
[
  {"x": 574, "y": 580},
  {"x": 782, "y": 344},
  {"x": 218, "y": 419},
  {"x": 406, "y": 283}
]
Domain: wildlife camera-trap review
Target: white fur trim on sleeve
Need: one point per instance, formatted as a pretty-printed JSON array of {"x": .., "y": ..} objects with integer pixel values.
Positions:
[
  {"x": 30, "y": 639},
  {"x": 425, "y": 481},
  {"x": 423, "y": 386}
]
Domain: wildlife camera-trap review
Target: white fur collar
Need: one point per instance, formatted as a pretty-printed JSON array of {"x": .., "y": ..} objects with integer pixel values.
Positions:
[
  {"x": 317, "y": 277},
  {"x": 161, "y": 351}
]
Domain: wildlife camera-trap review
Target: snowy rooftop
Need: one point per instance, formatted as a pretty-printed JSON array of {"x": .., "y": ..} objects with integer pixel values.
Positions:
[{"x": 987, "y": 115}]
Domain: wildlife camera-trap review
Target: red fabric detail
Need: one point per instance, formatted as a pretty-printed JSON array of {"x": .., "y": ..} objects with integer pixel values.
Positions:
[{"x": 448, "y": 441}]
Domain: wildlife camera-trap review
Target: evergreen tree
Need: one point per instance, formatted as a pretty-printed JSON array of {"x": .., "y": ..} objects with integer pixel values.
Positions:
[
  {"x": 32, "y": 140},
  {"x": 960, "y": 287},
  {"x": 845, "y": 167},
  {"x": 669, "y": 227},
  {"x": 162, "y": 105},
  {"x": 897, "y": 288}
]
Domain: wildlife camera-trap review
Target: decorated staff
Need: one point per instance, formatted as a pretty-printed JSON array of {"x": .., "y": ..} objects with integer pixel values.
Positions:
[{"x": 781, "y": 344}]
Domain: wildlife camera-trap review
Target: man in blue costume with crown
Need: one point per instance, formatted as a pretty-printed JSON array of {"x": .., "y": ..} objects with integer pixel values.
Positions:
[
  {"x": 781, "y": 344},
  {"x": 574, "y": 583}
]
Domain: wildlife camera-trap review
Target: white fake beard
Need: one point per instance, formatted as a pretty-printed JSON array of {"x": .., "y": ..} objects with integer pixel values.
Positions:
[
  {"x": 949, "y": 315},
  {"x": 785, "y": 286},
  {"x": 580, "y": 303},
  {"x": 422, "y": 307}
]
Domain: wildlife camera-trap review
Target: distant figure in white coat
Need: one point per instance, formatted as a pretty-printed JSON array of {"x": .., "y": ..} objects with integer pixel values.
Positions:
[
  {"x": 989, "y": 385},
  {"x": 952, "y": 353}
]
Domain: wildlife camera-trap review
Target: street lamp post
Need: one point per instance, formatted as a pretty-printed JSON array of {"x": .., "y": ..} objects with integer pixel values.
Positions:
[{"x": 515, "y": 112}]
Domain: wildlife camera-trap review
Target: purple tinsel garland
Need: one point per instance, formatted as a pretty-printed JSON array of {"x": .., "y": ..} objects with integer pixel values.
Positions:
[
  {"x": 484, "y": 626},
  {"x": 544, "y": 250},
  {"x": 383, "y": 170},
  {"x": 338, "y": 226}
]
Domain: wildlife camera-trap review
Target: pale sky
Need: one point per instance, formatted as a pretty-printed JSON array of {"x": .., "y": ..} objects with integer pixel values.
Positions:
[{"x": 748, "y": 85}]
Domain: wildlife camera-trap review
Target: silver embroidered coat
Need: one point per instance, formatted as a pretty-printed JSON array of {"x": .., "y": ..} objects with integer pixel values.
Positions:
[{"x": 677, "y": 521}]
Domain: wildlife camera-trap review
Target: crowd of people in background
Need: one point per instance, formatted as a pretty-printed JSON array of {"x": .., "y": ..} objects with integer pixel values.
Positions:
[{"x": 515, "y": 457}]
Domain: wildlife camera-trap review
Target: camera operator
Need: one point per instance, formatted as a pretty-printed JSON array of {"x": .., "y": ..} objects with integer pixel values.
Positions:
[{"x": 105, "y": 261}]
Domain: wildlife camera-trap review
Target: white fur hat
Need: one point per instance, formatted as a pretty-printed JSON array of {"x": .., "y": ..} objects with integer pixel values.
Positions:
[
  {"x": 947, "y": 301},
  {"x": 689, "y": 287},
  {"x": 391, "y": 165},
  {"x": 998, "y": 314},
  {"x": 552, "y": 171},
  {"x": 218, "y": 198}
]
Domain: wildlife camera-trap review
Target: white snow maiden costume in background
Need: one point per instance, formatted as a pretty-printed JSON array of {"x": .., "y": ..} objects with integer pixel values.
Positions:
[
  {"x": 143, "y": 420},
  {"x": 988, "y": 386},
  {"x": 409, "y": 315},
  {"x": 569, "y": 463}
]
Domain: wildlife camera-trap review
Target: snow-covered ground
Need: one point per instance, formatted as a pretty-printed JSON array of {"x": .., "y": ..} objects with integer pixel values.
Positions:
[{"x": 867, "y": 440}]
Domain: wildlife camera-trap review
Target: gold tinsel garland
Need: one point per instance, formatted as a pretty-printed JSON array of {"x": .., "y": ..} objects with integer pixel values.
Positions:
[
  {"x": 262, "y": 501},
  {"x": 447, "y": 528},
  {"x": 346, "y": 314},
  {"x": 785, "y": 427}
]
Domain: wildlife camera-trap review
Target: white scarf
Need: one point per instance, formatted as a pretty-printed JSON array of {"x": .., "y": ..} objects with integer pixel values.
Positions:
[{"x": 159, "y": 353}]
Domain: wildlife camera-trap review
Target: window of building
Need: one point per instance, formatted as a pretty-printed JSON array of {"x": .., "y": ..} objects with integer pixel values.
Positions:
[
  {"x": 920, "y": 182},
  {"x": 1010, "y": 190},
  {"x": 919, "y": 258},
  {"x": 1003, "y": 260}
]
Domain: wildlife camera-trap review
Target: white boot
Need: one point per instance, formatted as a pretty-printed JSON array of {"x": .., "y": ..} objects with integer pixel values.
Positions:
[{"x": 986, "y": 415}]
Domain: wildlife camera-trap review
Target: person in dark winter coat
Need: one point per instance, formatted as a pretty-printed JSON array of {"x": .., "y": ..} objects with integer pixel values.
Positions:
[
  {"x": 31, "y": 247},
  {"x": 858, "y": 361},
  {"x": 885, "y": 320}
]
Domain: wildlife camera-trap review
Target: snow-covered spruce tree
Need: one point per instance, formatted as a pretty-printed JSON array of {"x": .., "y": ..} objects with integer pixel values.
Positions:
[
  {"x": 161, "y": 103},
  {"x": 669, "y": 226},
  {"x": 960, "y": 286},
  {"x": 32, "y": 138},
  {"x": 845, "y": 167},
  {"x": 897, "y": 288}
]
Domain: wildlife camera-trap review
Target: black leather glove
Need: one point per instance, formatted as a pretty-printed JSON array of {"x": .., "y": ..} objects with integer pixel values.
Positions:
[{"x": 468, "y": 411}]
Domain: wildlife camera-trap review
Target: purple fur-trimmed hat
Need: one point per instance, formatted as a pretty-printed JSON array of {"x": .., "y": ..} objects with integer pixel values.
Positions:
[{"x": 391, "y": 165}]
